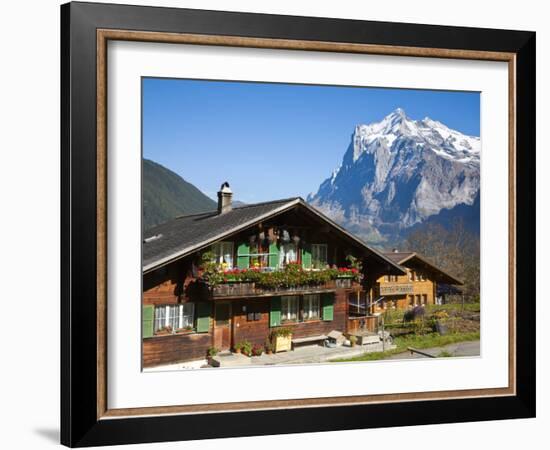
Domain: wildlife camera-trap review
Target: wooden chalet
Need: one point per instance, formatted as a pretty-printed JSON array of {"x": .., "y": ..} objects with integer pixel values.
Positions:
[
  {"x": 277, "y": 264},
  {"x": 419, "y": 285}
]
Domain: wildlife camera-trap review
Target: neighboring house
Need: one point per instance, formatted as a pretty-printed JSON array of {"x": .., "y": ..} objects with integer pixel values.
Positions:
[
  {"x": 419, "y": 286},
  {"x": 279, "y": 264}
]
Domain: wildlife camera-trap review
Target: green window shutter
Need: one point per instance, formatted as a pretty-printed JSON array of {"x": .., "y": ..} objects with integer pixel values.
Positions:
[
  {"x": 242, "y": 261},
  {"x": 328, "y": 306},
  {"x": 147, "y": 317},
  {"x": 275, "y": 312},
  {"x": 273, "y": 255},
  {"x": 306, "y": 256},
  {"x": 204, "y": 310}
]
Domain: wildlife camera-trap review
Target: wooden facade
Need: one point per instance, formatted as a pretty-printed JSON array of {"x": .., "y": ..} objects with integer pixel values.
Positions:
[
  {"x": 232, "y": 319},
  {"x": 183, "y": 316},
  {"x": 417, "y": 287}
]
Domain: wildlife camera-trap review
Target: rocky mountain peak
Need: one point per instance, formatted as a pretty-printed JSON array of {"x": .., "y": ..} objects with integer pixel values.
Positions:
[{"x": 397, "y": 173}]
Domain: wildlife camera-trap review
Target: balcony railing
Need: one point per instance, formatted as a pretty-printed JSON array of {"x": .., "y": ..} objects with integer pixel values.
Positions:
[
  {"x": 396, "y": 288},
  {"x": 244, "y": 289}
]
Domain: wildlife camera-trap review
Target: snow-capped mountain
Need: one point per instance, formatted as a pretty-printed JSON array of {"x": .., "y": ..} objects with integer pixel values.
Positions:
[{"x": 399, "y": 172}]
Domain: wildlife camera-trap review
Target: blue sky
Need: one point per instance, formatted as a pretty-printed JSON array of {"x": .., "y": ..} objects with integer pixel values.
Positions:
[{"x": 274, "y": 140}]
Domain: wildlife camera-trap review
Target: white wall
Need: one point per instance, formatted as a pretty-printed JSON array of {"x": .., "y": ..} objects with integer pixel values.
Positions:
[{"x": 29, "y": 187}]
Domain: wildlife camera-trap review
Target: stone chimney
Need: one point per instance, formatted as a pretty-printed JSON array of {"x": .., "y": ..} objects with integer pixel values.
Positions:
[{"x": 225, "y": 196}]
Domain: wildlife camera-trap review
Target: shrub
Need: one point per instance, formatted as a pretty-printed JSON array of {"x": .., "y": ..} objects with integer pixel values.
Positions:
[
  {"x": 281, "y": 332},
  {"x": 441, "y": 314},
  {"x": 257, "y": 350},
  {"x": 212, "y": 351},
  {"x": 413, "y": 314},
  {"x": 246, "y": 347}
]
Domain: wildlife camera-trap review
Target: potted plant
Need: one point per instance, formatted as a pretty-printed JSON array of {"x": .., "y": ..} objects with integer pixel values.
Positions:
[
  {"x": 246, "y": 348},
  {"x": 268, "y": 346},
  {"x": 352, "y": 340},
  {"x": 281, "y": 339},
  {"x": 238, "y": 347},
  {"x": 257, "y": 350},
  {"x": 211, "y": 352}
]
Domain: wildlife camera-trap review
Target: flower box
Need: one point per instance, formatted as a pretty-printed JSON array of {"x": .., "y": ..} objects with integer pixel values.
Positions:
[
  {"x": 185, "y": 331},
  {"x": 282, "y": 343},
  {"x": 344, "y": 282}
]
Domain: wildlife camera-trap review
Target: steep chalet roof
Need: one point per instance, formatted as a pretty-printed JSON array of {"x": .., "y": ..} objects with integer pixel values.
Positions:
[
  {"x": 402, "y": 257},
  {"x": 187, "y": 234}
]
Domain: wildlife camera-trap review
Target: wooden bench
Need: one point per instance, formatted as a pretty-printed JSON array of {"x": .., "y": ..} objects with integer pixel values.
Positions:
[{"x": 309, "y": 340}]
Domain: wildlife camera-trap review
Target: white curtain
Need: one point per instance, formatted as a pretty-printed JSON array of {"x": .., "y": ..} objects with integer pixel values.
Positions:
[
  {"x": 312, "y": 306},
  {"x": 175, "y": 316},
  {"x": 289, "y": 307},
  {"x": 223, "y": 252},
  {"x": 287, "y": 254},
  {"x": 227, "y": 252},
  {"x": 160, "y": 317}
]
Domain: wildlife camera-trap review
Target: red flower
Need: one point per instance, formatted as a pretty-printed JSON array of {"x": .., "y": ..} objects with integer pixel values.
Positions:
[{"x": 354, "y": 270}]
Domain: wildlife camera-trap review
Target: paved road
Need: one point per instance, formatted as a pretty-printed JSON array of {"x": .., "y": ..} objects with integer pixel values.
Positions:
[{"x": 470, "y": 348}]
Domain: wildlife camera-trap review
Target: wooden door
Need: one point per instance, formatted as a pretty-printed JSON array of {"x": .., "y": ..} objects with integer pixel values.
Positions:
[{"x": 222, "y": 326}]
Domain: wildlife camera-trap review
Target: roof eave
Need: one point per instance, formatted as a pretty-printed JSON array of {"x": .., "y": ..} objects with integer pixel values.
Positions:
[
  {"x": 452, "y": 279},
  {"x": 297, "y": 201}
]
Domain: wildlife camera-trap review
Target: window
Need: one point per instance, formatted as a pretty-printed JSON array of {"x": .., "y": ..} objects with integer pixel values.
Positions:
[
  {"x": 289, "y": 308},
  {"x": 287, "y": 254},
  {"x": 259, "y": 255},
  {"x": 253, "y": 312},
  {"x": 312, "y": 307},
  {"x": 174, "y": 316},
  {"x": 357, "y": 303},
  {"x": 417, "y": 302},
  {"x": 386, "y": 278},
  {"x": 410, "y": 275},
  {"x": 424, "y": 299},
  {"x": 411, "y": 300},
  {"x": 319, "y": 259},
  {"x": 160, "y": 317},
  {"x": 223, "y": 252},
  {"x": 420, "y": 276}
]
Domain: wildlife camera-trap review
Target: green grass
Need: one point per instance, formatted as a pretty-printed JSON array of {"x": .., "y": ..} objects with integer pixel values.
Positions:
[
  {"x": 416, "y": 341},
  {"x": 470, "y": 307},
  {"x": 394, "y": 318}
]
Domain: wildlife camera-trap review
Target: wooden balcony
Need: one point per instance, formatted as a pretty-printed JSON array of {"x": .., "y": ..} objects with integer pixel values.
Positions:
[
  {"x": 396, "y": 288},
  {"x": 235, "y": 290}
]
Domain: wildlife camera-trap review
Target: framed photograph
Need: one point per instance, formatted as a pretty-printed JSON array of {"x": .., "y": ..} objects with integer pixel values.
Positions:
[{"x": 276, "y": 224}]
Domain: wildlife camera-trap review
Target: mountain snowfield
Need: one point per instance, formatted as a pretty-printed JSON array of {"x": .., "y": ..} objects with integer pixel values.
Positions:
[{"x": 398, "y": 173}]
